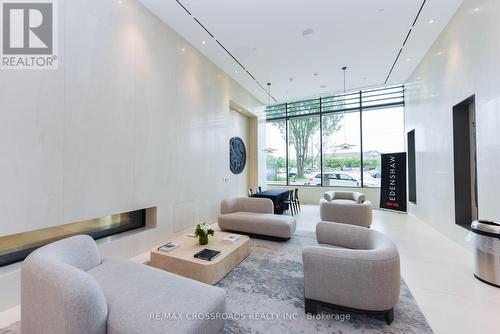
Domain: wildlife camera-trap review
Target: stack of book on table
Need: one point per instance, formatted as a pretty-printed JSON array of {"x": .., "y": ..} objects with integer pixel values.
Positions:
[
  {"x": 168, "y": 247},
  {"x": 232, "y": 238}
]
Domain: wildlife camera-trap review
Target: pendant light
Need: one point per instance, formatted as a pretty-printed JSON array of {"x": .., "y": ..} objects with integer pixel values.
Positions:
[
  {"x": 269, "y": 150},
  {"x": 345, "y": 146}
]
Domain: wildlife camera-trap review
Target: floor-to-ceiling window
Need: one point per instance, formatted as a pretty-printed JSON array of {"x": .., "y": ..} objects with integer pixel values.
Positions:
[
  {"x": 335, "y": 140},
  {"x": 304, "y": 140},
  {"x": 341, "y": 150},
  {"x": 276, "y": 151},
  {"x": 383, "y": 132}
]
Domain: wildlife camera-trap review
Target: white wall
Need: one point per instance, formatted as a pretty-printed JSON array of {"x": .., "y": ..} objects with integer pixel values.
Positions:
[
  {"x": 129, "y": 120},
  {"x": 462, "y": 62}
]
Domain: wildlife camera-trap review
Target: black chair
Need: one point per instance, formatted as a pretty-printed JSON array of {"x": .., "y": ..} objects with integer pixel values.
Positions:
[
  {"x": 288, "y": 202},
  {"x": 250, "y": 192},
  {"x": 296, "y": 200},
  {"x": 259, "y": 189}
]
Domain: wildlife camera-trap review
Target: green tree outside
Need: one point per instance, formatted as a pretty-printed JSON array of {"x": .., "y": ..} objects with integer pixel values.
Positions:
[{"x": 300, "y": 131}]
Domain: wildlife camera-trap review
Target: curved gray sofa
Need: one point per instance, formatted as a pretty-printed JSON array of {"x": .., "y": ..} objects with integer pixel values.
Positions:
[
  {"x": 346, "y": 208},
  {"x": 65, "y": 289},
  {"x": 352, "y": 268},
  {"x": 255, "y": 216}
]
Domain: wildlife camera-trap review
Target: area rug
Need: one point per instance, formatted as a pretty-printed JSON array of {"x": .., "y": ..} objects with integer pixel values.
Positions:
[
  {"x": 15, "y": 328},
  {"x": 265, "y": 294}
]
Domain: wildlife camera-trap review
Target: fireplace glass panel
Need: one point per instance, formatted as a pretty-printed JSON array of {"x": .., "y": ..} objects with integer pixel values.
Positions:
[{"x": 16, "y": 247}]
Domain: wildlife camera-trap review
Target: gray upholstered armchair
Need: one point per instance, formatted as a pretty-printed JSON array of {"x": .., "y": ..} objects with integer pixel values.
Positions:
[
  {"x": 352, "y": 268},
  {"x": 346, "y": 208},
  {"x": 355, "y": 196},
  {"x": 65, "y": 289}
]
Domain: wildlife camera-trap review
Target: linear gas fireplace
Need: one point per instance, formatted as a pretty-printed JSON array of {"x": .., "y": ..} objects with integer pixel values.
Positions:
[{"x": 16, "y": 247}]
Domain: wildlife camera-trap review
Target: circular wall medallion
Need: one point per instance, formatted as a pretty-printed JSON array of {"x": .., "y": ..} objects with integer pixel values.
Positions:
[{"x": 237, "y": 155}]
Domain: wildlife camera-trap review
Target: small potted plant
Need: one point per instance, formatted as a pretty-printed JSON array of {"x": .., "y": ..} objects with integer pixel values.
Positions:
[{"x": 202, "y": 231}]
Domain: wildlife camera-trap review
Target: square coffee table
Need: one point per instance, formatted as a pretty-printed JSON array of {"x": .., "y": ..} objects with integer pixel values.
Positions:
[{"x": 181, "y": 261}]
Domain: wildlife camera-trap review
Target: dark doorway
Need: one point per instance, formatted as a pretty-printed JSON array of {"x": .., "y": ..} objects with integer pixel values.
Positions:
[
  {"x": 412, "y": 168},
  {"x": 464, "y": 154}
]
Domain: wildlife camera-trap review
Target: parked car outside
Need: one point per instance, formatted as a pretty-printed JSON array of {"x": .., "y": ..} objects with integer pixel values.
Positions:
[
  {"x": 335, "y": 179},
  {"x": 338, "y": 180}
]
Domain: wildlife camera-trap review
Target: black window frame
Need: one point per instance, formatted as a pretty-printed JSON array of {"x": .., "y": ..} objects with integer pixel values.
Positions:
[{"x": 353, "y": 101}]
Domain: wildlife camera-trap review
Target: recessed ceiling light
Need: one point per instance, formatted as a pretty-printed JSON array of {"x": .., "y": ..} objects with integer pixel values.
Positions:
[
  {"x": 408, "y": 59},
  {"x": 183, "y": 50},
  {"x": 236, "y": 72},
  {"x": 315, "y": 74},
  {"x": 120, "y": 2},
  {"x": 308, "y": 32},
  {"x": 476, "y": 9},
  {"x": 440, "y": 53},
  {"x": 291, "y": 79},
  {"x": 322, "y": 86},
  {"x": 203, "y": 42},
  {"x": 431, "y": 21},
  {"x": 381, "y": 10}
]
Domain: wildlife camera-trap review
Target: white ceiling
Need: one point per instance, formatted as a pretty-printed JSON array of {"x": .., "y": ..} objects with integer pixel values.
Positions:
[{"x": 266, "y": 36}]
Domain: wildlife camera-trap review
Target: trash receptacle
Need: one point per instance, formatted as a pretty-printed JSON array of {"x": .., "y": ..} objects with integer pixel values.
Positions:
[{"x": 486, "y": 239}]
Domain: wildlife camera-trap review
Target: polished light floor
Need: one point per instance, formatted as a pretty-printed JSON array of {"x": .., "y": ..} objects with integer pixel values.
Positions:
[{"x": 438, "y": 272}]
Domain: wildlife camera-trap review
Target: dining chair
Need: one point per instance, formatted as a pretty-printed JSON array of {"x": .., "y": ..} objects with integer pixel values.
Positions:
[
  {"x": 259, "y": 189},
  {"x": 250, "y": 192},
  {"x": 288, "y": 202},
  {"x": 296, "y": 199}
]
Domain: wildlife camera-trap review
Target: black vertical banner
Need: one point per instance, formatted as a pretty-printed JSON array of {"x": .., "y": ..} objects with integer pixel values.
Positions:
[{"x": 393, "y": 187}]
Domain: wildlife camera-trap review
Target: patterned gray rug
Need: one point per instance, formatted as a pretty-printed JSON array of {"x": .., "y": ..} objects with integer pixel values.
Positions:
[
  {"x": 268, "y": 286},
  {"x": 15, "y": 328},
  {"x": 270, "y": 283}
]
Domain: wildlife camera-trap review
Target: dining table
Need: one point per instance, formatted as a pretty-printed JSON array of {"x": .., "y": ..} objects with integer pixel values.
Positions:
[{"x": 278, "y": 196}]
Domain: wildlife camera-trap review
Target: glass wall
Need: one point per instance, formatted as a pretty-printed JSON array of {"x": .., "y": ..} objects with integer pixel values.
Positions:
[
  {"x": 304, "y": 153},
  {"x": 276, "y": 152},
  {"x": 341, "y": 150},
  {"x": 334, "y": 141},
  {"x": 383, "y": 132}
]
